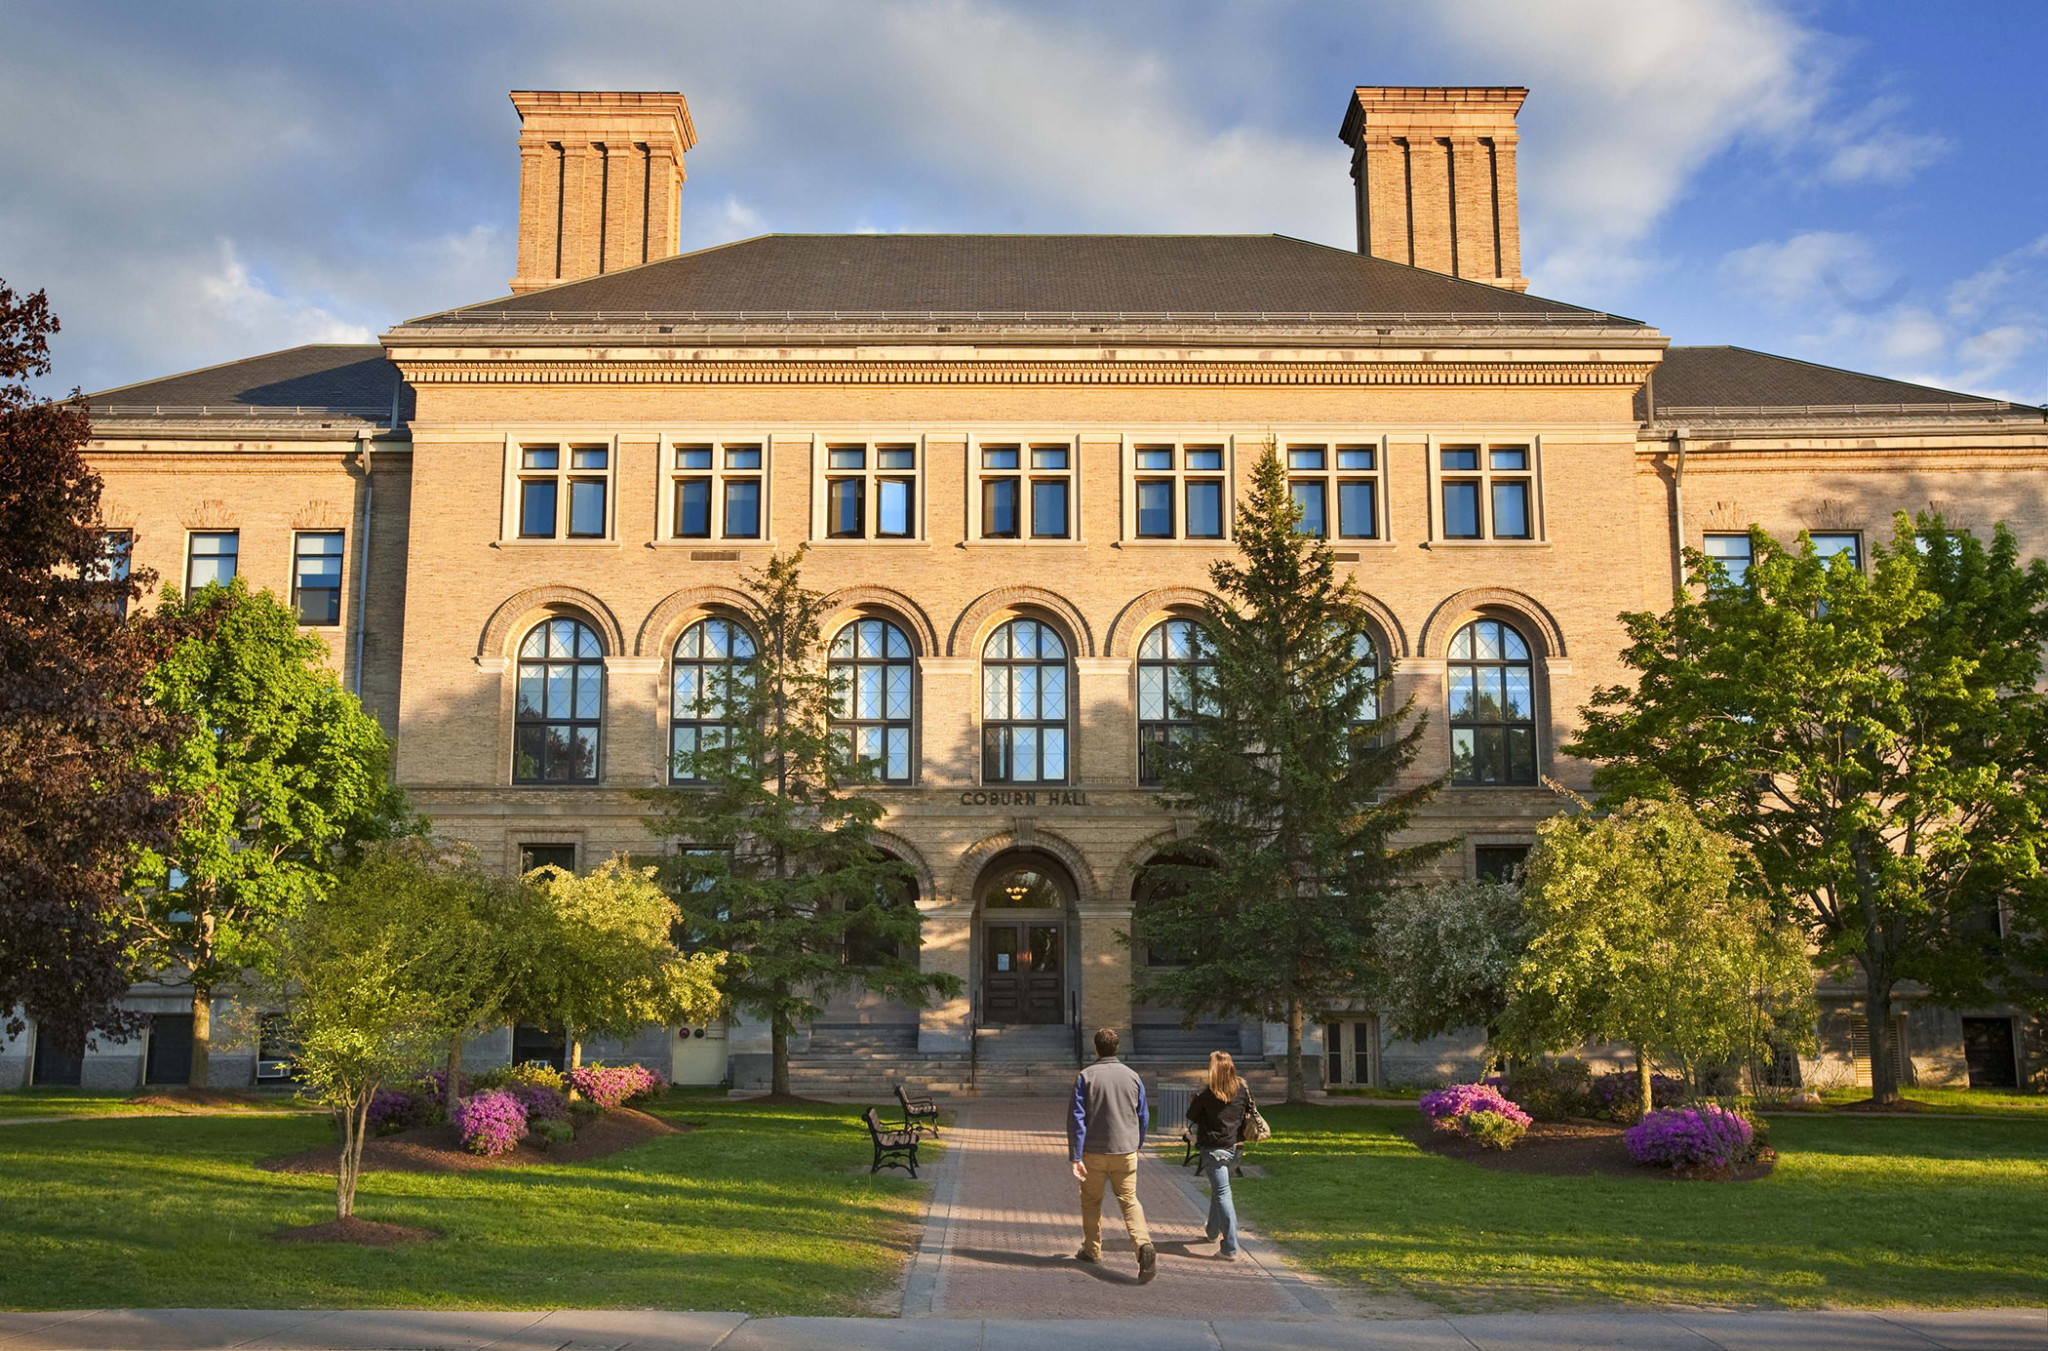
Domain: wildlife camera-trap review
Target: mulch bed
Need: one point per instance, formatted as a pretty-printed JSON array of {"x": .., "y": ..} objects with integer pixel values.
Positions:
[
  {"x": 367, "y": 1233},
  {"x": 438, "y": 1149},
  {"x": 1575, "y": 1148}
]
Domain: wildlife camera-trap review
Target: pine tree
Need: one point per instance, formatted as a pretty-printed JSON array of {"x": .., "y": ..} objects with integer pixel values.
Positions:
[
  {"x": 776, "y": 860},
  {"x": 1289, "y": 769}
]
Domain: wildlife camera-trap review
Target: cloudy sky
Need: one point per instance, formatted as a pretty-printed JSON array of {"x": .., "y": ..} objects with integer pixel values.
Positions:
[{"x": 1851, "y": 182}]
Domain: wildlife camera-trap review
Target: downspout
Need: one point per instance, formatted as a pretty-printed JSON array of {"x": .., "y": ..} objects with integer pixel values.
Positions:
[
  {"x": 363, "y": 565},
  {"x": 1677, "y": 484}
]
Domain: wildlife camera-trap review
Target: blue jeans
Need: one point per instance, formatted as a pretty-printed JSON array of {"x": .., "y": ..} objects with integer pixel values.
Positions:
[{"x": 1216, "y": 1165}]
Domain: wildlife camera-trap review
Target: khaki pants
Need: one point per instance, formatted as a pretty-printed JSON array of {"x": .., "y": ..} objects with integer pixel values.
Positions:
[{"x": 1120, "y": 1172}]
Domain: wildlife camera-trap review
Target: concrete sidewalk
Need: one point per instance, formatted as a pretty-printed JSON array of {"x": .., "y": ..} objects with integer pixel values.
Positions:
[{"x": 621, "y": 1330}]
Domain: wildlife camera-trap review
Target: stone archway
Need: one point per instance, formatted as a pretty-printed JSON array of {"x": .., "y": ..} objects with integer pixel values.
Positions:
[{"x": 1023, "y": 971}]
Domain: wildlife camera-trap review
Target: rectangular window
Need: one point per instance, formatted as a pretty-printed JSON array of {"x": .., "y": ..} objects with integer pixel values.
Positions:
[
  {"x": 867, "y": 490},
  {"x": 1026, "y": 489},
  {"x": 316, "y": 577},
  {"x": 1155, "y": 509},
  {"x": 743, "y": 508},
  {"x": 586, "y": 508},
  {"x": 895, "y": 507},
  {"x": 1511, "y": 509},
  {"x": 844, "y": 500},
  {"x": 1487, "y": 492},
  {"x": 563, "y": 491},
  {"x": 1461, "y": 510},
  {"x": 1205, "y": 509},
  {"x": 693, "y": 508},
  {"x": 1310, "y": 498},
  {"x": 210, "y": 558},
  {"x": 1732, "y": 552},
  {"x": 1049, "y": 508},
  {"x": 1353, "y": 487},
  {"x": 1177, "y": 490},
  {"x": 1358, "y": 509},
  {"x": 720, "y": 489},
  {"x": 999, "y": 508},
  {"x": 1828, "y": 546},
  {"x": 117, "y": 549}
]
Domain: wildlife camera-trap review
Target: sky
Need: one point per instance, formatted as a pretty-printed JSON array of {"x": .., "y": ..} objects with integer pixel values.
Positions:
[{"x": 1854, "y": 183}]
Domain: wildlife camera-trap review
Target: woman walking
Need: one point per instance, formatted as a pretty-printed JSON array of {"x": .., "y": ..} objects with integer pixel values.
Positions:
[{"x": 1218, "y": 1115}]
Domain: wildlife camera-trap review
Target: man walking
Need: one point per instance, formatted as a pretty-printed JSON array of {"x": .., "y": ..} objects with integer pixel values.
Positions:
[{"x": 1105, "y": 1131}]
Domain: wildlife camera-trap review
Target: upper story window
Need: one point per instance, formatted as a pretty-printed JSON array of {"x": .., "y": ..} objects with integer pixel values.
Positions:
[
  {"x": 869, "y": 490},
  {"x": 117, "y": 551},
  {"x": 1732, "y": 552},
  {"x": 560, "y": 704},
  {"x": 717, "y": 489},
  {"x": 1486, "y": 491},
  {"x": 870, "y": 666},
  {"x": 1024, "y": 704},
  {"x": 316, "y": 576},
  {"x": 210, "y": 557},
  {"x": 1178, "y": 490},
  {"x": 1170, "y": 657},
  {"x": 563, "y": 490},
  {"x": 1025, "y": 489},
  {"x": 1337, "y": 488},
  {"x": 1493, "y": 707},
  {"x": 1830, "y": 545},
  {"x": 712, "y": 660}
]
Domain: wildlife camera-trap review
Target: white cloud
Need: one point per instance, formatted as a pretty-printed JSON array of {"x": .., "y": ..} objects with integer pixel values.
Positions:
[{"x": 1822, "y": 269}]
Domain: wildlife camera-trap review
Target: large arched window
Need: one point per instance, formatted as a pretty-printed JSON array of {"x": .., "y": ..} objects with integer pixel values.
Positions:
[
  {"x": 711, "y": 660},
  {"x": 560, "y": 704},
  {"x": 867, "y": 948},
  {"x": 1024, "y": 705},
  {"x": 1169, "y": 656},
  {"x": 1493, "y": 707},
  {"x": 870, "y": 669}
]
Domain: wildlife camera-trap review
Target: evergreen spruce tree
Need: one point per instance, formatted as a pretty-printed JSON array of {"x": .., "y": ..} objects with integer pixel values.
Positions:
[
  {"x": 776, "y": 863},
  {"x": 1289, "y": 769}
]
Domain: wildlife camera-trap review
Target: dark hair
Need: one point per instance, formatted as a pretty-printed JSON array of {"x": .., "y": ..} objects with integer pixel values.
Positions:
[{"x": 1106, "y": 1041}]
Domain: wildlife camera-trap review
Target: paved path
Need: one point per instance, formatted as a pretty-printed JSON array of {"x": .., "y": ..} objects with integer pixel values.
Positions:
[{"x": 639, "y": 1330}]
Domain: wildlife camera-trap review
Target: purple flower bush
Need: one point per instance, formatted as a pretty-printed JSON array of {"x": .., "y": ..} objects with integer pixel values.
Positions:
[
  {"x": 393, "y": 1110},
  {"x": 540, "y": 1102},
  {"x": 612, "y": 1086},
  {"x": 1691, "y": 1137},
  {"x": 491, "y": 1122}
]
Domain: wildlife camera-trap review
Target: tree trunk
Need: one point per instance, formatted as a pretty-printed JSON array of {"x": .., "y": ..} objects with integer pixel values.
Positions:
[
  {"x": 454, "y": 1076},
  {"x": 1297, "y": 1087},
  {"x": 1649, "y": 1098},
  {"x": 778, "y": 1074},
  {"x": 355, "y": 1121},
  {"x": 575, "y": 1049},
  {"x": 202, "y": 1038},
  {"x": 1877, "y": 1017}
]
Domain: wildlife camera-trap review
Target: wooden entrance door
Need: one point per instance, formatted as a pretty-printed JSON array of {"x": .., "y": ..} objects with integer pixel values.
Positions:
[{"x": 1022, "y": 976}]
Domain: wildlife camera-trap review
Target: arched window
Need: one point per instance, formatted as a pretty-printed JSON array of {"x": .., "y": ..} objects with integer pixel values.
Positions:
[
  {"x": 870, "y": 670},
  {"x": 710, "y": 662},
  {"x": 1367, "y": 655},
  {"x": 1168, "y": 657},
  {"x": 1493, "y": 708},
  {"x": 560, "y": 704},
  {"x": 865, "y": 948},
  {"x": 1024, "y": 705}
]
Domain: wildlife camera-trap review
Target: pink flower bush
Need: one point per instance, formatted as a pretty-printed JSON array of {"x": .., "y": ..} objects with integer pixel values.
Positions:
[
  {"x": 612, "y": 1086},
  {"x": 491, "y": 1122},
  {"x": 1449, "y": 1107},
  {"x": 1691, "y": 1137}
]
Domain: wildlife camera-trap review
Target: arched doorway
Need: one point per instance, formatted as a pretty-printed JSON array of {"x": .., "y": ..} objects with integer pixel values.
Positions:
[{"x": 1023, "y": 905}]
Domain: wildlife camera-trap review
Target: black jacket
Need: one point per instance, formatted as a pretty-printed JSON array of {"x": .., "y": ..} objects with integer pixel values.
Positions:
[{"x": 1219, "y": 1124}]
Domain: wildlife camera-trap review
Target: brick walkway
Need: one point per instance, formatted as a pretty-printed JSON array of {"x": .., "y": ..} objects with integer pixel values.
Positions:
[{"x": 1005, "y": 1222}]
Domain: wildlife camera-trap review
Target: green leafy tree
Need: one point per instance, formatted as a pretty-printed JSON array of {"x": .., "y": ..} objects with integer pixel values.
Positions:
[
  {"x": 777, "y": 863},
  {"x": 1876, "y": 742},
  {"x": 606, "y": 961},
  {"x": 1639, "y": 934},
  {"x": 285, "y": 774},
  {"x": 1446, "y": 955},
  {"x": 1290, "y": 771}
]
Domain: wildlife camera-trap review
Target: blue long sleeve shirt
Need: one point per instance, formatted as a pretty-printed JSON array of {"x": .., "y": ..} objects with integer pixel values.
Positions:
[{"x": 1108, "y": 1113}]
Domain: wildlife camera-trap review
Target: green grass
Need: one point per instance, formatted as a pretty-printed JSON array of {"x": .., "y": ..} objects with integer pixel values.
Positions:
[
  {"x": 1968, "y": 1101},
  {"x": 33, "y": 1102},
  {"x": 1858, "y": 1213},
  {"x": 756, "y": 1211}
]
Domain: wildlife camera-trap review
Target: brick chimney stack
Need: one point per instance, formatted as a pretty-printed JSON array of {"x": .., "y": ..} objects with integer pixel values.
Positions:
[
  {"x": 1435, "y": 171},
  {"x": 600, "y": 182}
]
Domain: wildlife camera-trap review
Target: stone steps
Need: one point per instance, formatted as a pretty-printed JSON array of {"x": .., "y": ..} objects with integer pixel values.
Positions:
[{"x": 875, "y": 1075}]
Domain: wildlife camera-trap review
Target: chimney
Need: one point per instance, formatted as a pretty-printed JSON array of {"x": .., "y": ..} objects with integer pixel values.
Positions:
[
  {"x": 600, "y": 182},
  {"x": 1435, "y": 170}
]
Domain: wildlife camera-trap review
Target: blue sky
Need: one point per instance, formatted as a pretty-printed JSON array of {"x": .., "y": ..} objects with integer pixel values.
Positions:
[{"x": 1855, "y": 183}]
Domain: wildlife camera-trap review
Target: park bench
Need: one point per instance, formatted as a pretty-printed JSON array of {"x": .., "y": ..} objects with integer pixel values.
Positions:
[
  {"x": 918, "y": 1111},
  {"x": 893, "y": 1148}
]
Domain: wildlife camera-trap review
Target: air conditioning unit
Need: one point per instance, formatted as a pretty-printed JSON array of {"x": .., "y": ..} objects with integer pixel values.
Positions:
[{"x": 273, "y": 1069}]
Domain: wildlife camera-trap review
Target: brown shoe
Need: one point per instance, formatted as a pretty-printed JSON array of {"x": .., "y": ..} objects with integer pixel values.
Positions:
[
  {"x": 1148, "y": 1263},
  {"x": 1088, "y": 1255}
]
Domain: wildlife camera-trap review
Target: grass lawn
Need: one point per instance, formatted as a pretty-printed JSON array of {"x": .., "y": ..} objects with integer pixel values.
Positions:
[
  {"x": 1858, "y": 1213},
  {"x": 757, "y": 1211},
  {"x": 31, "y": 1102},
  {"x": 1969, "y": 1101}
]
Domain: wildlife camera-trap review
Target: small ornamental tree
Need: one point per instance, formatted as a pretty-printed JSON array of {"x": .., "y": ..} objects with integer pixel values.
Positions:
[
  {"x": 1639, "y": 934},
  {"x": 1447, "y": 954},
  {"x": 1290, "y": 771},
  {"x": 1877, "y": 743},
  {"x": 79, "y": 793},
  {"x": 776, "y": 862},
  {"x": 285, "y": 774}
]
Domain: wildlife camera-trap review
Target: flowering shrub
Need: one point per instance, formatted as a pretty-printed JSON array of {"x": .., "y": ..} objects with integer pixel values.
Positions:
[
  {"x": 394, "y": 1109},
  {"x": 491, "y": 1122},
  {"x": 1618, "y": 1096},
  {"x": 1495, "y": 1130},
  {"x": 1477, "y": 1111},
  {"x": 540, "y": 1102},
  {"x": 1691, "y": 1137},
  {"x": 534, "y": 1073},
  {"x": 612, "y": 1086}
]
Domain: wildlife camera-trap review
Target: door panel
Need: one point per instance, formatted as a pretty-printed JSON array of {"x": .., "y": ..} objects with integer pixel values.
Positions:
[
  {"x": 1023, "y": 973},
  {"x": 1002, "y": 978},
  {"x": 170, "y": 1049}
]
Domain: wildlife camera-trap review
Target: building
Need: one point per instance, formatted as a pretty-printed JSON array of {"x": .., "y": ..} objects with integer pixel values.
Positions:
[{"x": 520, "y": 526}]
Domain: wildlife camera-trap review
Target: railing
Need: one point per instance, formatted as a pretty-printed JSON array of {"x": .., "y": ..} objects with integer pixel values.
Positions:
[
  {"x": 1668, "y": 412},
  {"x": 974, "y": 1044},
  {"x": 1074, "y": 1017},
  {"x": 505, "y": 318},
  {"x": 380, "y": 412}
]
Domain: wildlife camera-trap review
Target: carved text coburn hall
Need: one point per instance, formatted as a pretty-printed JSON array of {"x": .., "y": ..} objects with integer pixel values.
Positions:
[{"x": 1007, "y": 797}]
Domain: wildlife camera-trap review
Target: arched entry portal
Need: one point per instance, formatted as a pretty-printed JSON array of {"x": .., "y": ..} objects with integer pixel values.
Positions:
[{"x": 1023, "y": 931}]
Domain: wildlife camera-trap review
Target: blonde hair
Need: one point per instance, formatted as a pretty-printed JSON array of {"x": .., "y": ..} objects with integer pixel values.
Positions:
[{"x": 1223, "y": 1080}]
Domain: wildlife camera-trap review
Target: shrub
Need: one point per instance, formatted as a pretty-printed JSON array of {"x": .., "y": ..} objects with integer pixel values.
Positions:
[
  {"x": 1618, "y": 1096},
  {"x": 540, "y": 1102},
  {"x": 1477, "y": 1111},
  {"x": 491, "y": 1122},
  {"x": 1552, "y": 1090},
  {"x": 394, "y": 1109},
  {"x": 582, "y": 1111},
  {"x": 548, "y": 1134},
  {"x": 1495, "y": 1130},
  {"x": 612, "y": 1086},
  {"x": 532, "y": 1073},
  {"x": 1691, "y": 1137}
]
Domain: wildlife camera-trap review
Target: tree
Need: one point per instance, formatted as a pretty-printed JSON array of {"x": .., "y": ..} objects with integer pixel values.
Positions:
[
  {"x": 372, "y": 978},
  {"x": 1875, "y": 741},
  {"x": 1289, "y": 770},
  {"x": 285, "y": 772},
  {"x": 606, "y": 960},
  {"x": 77, "y": 796},
  {"x": 1639, "y": 934},
  {"x": 777, "y": 863},
  {"x": 1446, "y": 956}
]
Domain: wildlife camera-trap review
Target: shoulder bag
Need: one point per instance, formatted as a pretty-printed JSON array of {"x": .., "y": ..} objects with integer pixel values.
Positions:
[{"x": 1255, "y": 1127}]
